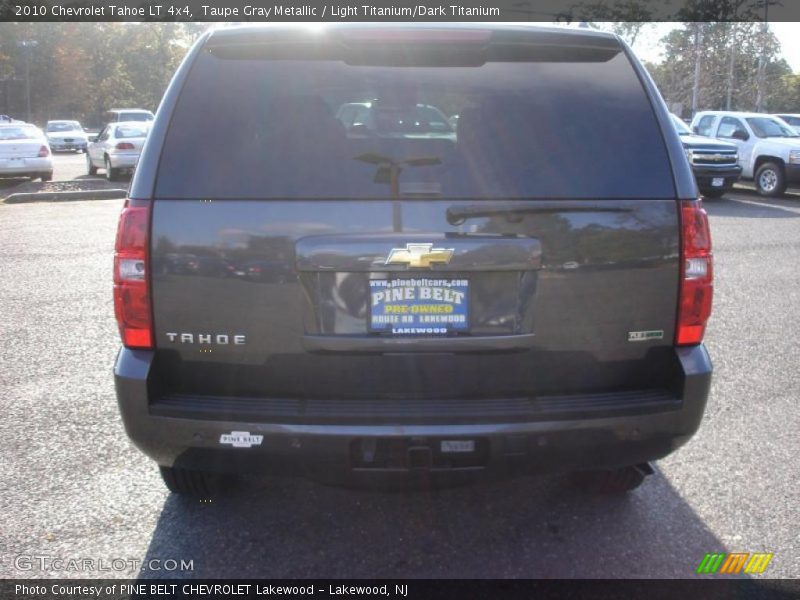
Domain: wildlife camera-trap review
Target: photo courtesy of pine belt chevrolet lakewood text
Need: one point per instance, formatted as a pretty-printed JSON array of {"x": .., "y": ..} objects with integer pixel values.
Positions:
[{"x": 403, "y": 260}]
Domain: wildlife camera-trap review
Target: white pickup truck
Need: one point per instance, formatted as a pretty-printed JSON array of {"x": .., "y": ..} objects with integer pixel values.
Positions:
[{"x": 769, "y": 150}]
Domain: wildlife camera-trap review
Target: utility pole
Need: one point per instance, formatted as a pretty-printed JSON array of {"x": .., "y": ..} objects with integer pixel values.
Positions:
[
  {"x": 6, "y": 81},
  {"x": 698, "y": 55},
  {"x": 762, "y": 62},
  {"x": 28, "y": 45},
  {"x": 731, "y": 72}
]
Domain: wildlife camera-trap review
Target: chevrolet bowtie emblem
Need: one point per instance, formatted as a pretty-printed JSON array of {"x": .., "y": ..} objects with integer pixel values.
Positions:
[{"x": 419, "y": 255}]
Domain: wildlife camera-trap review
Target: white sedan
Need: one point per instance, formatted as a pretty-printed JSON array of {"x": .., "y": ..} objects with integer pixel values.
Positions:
[
  {"x": 66, "y": 135},
  {"x": 24, "y": 152},
  {"x": 116, "y": 148}
]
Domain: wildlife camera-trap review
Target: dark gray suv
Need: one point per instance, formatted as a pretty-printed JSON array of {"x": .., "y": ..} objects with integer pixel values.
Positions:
[{"x": 528, "y": 294}]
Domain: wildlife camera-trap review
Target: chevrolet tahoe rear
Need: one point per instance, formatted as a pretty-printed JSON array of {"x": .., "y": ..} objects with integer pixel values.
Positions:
[{"x": 300, "y": 295}]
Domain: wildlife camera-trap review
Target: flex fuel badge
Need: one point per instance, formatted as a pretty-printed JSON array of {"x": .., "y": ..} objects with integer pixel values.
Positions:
[
  {"x": 641, "y": 336},
  {"x": 241, "y": 439}
]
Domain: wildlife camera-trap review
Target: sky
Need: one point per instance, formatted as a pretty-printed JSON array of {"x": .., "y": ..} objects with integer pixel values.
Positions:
[{"x": 648, "y": 46}]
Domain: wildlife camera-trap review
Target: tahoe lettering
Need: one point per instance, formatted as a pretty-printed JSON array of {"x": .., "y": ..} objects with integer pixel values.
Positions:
[{"x": 221, "y": 339}]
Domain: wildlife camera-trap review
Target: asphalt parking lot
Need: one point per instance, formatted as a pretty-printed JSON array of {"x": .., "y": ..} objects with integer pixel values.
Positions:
[
  {"x": 69, "y": 165},
  {"x": 76, "y": 488},
  {"x": 69, "y": 174}
]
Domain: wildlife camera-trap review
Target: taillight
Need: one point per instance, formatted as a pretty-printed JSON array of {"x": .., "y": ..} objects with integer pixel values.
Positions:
[
  {"x": 131, "y": 289},
  {"x": 125, "y": 146},
  {"x": 697, "y": 274},
  {"x": 44, "y": 152}
]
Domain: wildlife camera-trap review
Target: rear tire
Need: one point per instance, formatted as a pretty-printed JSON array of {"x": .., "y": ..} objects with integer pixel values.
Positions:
[
  {"x": 112, "y": 174},
  {"x": 612, "y": 482},
  {"x": 715, "y": 193},
  {"x": 195, "y": 484},
  {"x": 47, "y": 177},
  {"x": 770, "y": 180},
  {"x": 90, "y": 168}
]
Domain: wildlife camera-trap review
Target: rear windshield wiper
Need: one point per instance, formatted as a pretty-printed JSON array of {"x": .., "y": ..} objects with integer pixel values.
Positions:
[{"x": 513, "y": 211}]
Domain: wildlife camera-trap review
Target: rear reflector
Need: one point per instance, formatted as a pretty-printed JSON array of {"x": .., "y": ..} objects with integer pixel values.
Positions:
[
  {"x": 44, "y": 151},
  {"x": 697, "y": 274},
  {"x": 131, "y": 289}
]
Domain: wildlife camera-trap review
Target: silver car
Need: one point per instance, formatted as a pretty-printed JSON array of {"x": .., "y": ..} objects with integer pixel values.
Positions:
[
  {"x": 118, "y": 115},
  {"x": 66, "y": 135},
  {"x": 24, "y": 152},
  {"x": 116, "y": 148}
]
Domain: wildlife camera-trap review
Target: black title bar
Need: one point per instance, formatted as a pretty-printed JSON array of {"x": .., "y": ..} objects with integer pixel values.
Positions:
[
  {"x": 571, "y": 11},
  {"x": 219, "y": 589}
]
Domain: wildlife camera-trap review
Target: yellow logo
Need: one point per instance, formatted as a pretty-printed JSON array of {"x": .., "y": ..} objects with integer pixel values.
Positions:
[{"x": 419, "y": 256}]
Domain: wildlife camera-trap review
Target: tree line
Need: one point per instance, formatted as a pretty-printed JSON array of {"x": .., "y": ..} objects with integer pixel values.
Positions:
[
  {"x": 719, "y": 66},
  {"x": 730, "y": 66},
  {"x": 80, "y": 70}
]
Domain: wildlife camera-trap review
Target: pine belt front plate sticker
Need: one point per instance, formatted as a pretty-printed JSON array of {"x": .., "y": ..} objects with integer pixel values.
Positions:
[
  {"x": 241, "y": 439},
  {"x": 419, "y": 306}
]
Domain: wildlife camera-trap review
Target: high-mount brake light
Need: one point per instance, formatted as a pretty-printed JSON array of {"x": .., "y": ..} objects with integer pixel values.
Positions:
[
  {"x": 131, "y": 288},
  {"x": 402, "y": 36},
  {"x": 697, "y": 274}
]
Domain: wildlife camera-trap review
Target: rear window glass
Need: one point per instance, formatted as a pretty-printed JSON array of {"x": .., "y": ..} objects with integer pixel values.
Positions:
[
  {"x": 127, "y": 131},
  {"x": 63, "y": 126},
  {"x": 18, "y": 133},
  {"x": 704, "y": 125},
  {"x": 134, "y": 116},
  {"x": 681, "y": 127},
  {"x": 258, "y": 128},
  {"x": 765, "y": 127}
]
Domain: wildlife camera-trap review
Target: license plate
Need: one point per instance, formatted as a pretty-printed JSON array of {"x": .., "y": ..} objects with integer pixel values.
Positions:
[
  {"x": 457, "y": 446},
  {"x": 15, "y": 162},
  {"x": 718, "y": 182},
  {"x": 419, "y": 306}
]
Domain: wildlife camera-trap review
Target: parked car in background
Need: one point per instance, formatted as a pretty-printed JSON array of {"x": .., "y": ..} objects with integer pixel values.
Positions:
[
  {"x": 116, "y": 148},
  {"x": 715, "y": 164},
  {"x": 275, "y": 271},
  {"x": 24, "y": 152},
  {"x": 66, "y": 135},
  {"x": 769, "y": 149},
  {"x": 793, "y": 120},
  {"x": 118, "y": 115},
  {"x": 394, "y": 120}
]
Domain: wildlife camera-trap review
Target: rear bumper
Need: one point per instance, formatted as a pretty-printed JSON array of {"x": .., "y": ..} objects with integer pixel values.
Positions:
[
  {"x": 58, "y": 146},
  {"x": 123, "y": 161},
  {"x": 28, "y": 166},
  {"x": 581, "y": 439}
]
